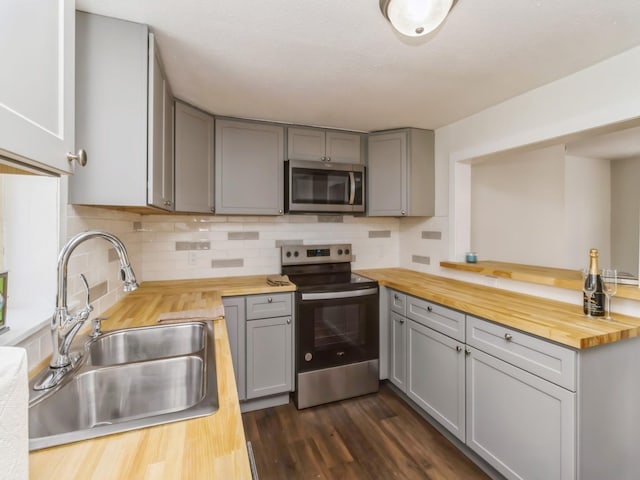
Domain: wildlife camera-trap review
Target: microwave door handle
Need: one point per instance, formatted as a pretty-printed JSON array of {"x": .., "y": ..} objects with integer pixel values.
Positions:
[{"x": 352, "y": 196}]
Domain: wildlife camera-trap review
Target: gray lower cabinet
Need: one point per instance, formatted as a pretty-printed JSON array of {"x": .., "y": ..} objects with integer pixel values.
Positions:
[
  {"x": 269, "y": 356},
  {"x": 249, "y": 167},
  {"x": 436, "y": 376},
  {"x": 401, "y": 173},
  {"x": 260, "y": 329},
  {"x": 397, "y": 350},
  {"x": 124, "y": 116},
  {"x": 234, "y": 316},
  {"x": 194, "y": 160},
  {"x": 521, "y": 424},
  {"x": 509, "y": 396}
]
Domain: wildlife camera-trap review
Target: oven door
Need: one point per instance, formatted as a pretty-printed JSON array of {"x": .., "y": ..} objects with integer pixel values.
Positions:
[{"x": 336, "y": 328}]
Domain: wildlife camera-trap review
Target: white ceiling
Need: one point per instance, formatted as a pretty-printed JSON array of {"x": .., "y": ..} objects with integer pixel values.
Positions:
[{"x": 338, "y": 63}]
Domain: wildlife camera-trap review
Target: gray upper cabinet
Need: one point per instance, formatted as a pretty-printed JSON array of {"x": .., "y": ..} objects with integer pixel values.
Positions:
[
  {"x": 324, "y": 145},
  {"x": 37, "y": 84},
  {"x": 401, "y": 173},
  {"x": 124, "y": 116},
  {"x": 249, "y": 167},
  {"x": 194, "y": 160}
]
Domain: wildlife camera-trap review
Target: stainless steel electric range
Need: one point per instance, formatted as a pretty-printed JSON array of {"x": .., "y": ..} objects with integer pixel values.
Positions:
[{"x": 336, "y": 325}]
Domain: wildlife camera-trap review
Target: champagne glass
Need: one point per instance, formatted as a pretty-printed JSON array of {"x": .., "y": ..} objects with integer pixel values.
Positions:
[
  {"x": 589, "y": 286},
  {"x": 609, "y": 286}
]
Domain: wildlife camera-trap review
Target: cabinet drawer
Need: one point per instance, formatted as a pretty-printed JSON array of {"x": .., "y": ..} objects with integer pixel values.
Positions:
[
  {"x": 441, "y": 319},
  {"x": 540, "y": 357},
  {"x": 267, "y": 306},
  {"x": 398, "y": 302}
]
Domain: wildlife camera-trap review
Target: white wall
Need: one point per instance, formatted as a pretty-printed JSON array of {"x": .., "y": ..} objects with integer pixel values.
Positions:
[
  {"x": 625, "y": 214},
  {"x": 603, "y": 94},
  {"x": 588, "y": 211},
  {"x": 518, "y": 208}
]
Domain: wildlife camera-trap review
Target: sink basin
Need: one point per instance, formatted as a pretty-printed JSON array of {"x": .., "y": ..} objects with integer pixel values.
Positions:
[
  {"x": 148, "y": 381},
  {"x": 146, "y": 343}
]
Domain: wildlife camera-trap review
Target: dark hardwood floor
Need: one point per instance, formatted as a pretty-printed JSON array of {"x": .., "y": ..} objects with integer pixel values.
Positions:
[{"x": 376, "y": 436}]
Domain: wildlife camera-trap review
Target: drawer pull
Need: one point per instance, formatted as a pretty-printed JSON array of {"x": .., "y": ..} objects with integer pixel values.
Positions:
[
  {"x": 508, "y": 337},
  {"x": 402, "y": 320},
  {"x": 429, "y": 309},
  {"x": 269, "y": 299},
  {"x": 458, "y": 348},
  {"x": 395, "y": 296},
  {"x": 467, "y": 351}
]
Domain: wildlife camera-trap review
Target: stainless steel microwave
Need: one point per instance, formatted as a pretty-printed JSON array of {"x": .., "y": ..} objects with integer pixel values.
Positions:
[{"x": 321, "y": 187}]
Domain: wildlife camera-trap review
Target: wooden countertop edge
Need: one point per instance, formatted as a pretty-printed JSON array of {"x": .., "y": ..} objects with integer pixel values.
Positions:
[
  {"x": 557, "y": 321},
  {"x": 553, "y": 277}
]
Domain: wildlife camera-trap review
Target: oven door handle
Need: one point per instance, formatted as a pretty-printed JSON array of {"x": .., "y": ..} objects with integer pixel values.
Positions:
[
  {"x": 352, "y": 181},
  {"x": 332, "y": 295}
]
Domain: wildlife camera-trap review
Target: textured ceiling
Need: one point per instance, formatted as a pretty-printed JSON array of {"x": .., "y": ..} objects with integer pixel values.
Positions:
[{"x": 338, "y": 63}]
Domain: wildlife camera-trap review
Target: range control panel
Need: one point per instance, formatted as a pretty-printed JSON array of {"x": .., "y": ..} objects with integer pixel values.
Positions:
[{"x": 310, "y": 254}]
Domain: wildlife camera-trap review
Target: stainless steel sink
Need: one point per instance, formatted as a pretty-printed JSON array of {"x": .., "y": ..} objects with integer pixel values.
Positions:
[
  {"x": 148, "y": 381},
  {"x": 146, "y": 343}
]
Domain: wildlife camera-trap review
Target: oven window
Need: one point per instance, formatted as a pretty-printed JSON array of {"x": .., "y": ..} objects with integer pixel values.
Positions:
[
  {"x": 319, "y": 187},
  {"x": 338, "y": 325}
]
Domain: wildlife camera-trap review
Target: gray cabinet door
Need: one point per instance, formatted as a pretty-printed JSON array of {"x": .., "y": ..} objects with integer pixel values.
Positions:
[
  {"x": 269, "y": 356},
  {"x": 234, "y": 317},
  {"x": 522, "y": 425},
  {"x": 343, "y": 147},
  {"x": 323, "y": 145},
  {"x": 193, "y": 160},
  {"x": 160, "y": 130},
  {"x": 124, "y": 116},
  {"x": 249, "y": 168},
  {"x": 436, "y": 376},
  {"x": 37, "y": 84},
  {"x": 397, "y": 350},
  {"x": 387, "y": 175},
  {"x": 305, "y": 144}
]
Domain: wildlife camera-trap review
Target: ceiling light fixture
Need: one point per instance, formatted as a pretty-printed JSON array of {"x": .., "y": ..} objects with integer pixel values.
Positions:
[{"x": 415, "y": 18}]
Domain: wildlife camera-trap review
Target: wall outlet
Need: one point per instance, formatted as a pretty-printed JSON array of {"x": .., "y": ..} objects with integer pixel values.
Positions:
[{"x": 192, "y": 258}]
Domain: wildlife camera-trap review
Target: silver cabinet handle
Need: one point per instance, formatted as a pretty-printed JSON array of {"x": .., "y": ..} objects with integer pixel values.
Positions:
[
  {"x": 508, "y": 337},
  {"x": 269, "y": 300},
  {"x": 328, "y": 159},
  {"x": 402, "y": 320},
  {"x": 288, "y": 320},
  {"x": 429, "y": 309},
  {"x": 403, "y": 212},
  {"x": 80, "y": 157},
  {"x": 280, "y": 211},
  {"x": 467, "y": 351},
  {"x": 213, "y": 209},
  {"x": 395, "y": 296},
  {"x": 323, "y": 159},
  {"x": 458, "y": 348}
]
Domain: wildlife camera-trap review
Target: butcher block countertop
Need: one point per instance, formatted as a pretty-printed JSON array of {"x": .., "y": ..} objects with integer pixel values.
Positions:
[
  {"x": 208, "y": 447},
  {"x": 555, "y": 277},
  {"x": 557, "y": 321}
]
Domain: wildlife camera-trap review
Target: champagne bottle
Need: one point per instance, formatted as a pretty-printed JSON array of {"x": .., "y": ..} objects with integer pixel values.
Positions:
[{"x": 597, "y": 299}]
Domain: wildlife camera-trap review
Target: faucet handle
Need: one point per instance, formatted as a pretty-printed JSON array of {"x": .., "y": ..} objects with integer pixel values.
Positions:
[{"x": 96, "y": 323}]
